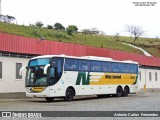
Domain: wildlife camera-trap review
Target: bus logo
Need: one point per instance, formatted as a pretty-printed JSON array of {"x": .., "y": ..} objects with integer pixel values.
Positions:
[{"x": 83, "y": 78}]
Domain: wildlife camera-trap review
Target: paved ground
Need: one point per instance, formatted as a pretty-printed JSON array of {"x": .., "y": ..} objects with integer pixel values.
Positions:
[{"x": 134, "y": 102}]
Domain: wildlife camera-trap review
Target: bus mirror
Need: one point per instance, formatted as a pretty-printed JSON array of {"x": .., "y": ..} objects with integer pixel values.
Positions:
[
  {"x": 20, "y": 71},
  {"x": 46, "y": 68}
]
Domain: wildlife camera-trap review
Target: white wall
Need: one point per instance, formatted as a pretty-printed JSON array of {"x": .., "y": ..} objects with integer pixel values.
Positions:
[
  {"x": 145, "y": 78},
  {"x": 9, "y": 83}
]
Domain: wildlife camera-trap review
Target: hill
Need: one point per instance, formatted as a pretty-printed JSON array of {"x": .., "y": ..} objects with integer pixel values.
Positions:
[{"x": 104, "y": 41}]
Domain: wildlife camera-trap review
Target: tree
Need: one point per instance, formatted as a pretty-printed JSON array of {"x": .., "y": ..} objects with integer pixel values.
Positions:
[
  {"x": 39, "y": 24},
  {"x": 6, "y": 18},
  {"x": 135, "y": 31},
  {"x": 59, "y": 26},
  {"x": 116, "y": 36},
  {"x": 86, "y": 31},
  {"x": 71, "y": 29},
  {"x": 91, "y": 31},
  {"x": 49, "y": 27}
]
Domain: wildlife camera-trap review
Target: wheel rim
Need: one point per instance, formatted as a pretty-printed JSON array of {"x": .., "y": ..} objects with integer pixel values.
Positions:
[{"x": 69, "y": 94}]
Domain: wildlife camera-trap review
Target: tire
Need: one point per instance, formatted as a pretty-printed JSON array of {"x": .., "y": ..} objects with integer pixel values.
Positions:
[
  {"x": 69, "y": 94},
  {"x": 119, "y": 91},
  {"x": 49, "y": 99},
  {"x": 126, "y": 91}
]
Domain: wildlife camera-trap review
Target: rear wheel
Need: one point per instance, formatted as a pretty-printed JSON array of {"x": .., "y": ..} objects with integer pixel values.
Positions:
[
  {"x": 49, "y": 99},
  {"x": 119, "y": 91},
  {"x": 69, "y": 94},
  {"x": 126, "y": 91}
]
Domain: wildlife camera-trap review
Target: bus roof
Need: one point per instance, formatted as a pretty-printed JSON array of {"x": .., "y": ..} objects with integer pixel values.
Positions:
[{"x": 85, "y": 58}]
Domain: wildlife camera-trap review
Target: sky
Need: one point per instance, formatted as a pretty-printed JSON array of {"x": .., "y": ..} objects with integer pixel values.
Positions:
[{"x": 109, "y": 16}]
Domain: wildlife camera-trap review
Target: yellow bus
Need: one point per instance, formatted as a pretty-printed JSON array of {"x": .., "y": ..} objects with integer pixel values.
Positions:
[{"x": 53, "y": 76}]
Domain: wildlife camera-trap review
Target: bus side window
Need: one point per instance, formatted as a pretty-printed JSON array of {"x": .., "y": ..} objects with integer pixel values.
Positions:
[
  {"x": 71, "y": 64},
  {"x": 58, "y": 64},
  {"x": 84, "y": 65},
  {"x": 95, "y": 66},
  {"x": 116, "y": 67},
  {"x": 133, "y": 68},
  {"x": 125, "y": 68},
  {"x": 106, "y": 67}
]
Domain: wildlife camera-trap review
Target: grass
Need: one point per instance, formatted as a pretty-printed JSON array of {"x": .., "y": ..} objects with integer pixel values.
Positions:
[{"x": 103, "y": 41}]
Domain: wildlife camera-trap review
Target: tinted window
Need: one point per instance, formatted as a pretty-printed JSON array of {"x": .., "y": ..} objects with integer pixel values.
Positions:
[
  {"x": 95, "y": 66},
  {"x": 140, "y": 76},
  {"x": 71, "y": 64},
  {"x": 125, "y": 68},
  {"x": 106, "y": 67},
  {"x": 41, "y": 61},
  {"x": 150, "y": 76},
  {"x": 133, "y": 68},
  {"x": 116, "y": 67},
  {"x": 84, "y": 65},
  {"x": 156, "y": 78},
  {"x": 58, "y": 64},
  {"x": 18, "y": 67}
]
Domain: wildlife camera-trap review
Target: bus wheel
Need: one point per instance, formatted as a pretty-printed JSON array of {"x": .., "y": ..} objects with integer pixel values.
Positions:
[
  {"x": 126, "y": 91},
  {"x": 119, "y": 91},
  {"x": 49, "y": 99},
  {"x": 69, "y": 94}
]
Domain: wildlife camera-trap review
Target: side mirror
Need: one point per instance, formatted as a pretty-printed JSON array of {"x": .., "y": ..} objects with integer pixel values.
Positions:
[
  {"x": 46, "y": 68},
  {"x": 20, "y": 71}
]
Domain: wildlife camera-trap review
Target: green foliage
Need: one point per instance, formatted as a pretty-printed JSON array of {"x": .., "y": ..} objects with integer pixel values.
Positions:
[
  {"x": 39, "y": 24},
  {"x": 49, "y": 27},
  {"x": 6, "y": 18},
  {"x": 59, "y": 26},
  {"x": 71, "y": 29}
]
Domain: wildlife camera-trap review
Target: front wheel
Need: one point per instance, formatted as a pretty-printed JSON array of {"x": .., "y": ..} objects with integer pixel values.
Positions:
[
  {"x": 49, "y": 99},
  {"x": 69, "y": 94}
]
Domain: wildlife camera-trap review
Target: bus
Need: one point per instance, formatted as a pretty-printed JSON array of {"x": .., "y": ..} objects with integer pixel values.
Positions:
[{"x": 55, "y": 76}]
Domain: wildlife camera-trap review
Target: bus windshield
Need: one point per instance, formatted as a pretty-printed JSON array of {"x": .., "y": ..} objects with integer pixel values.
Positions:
[{"x": 35, "y": 72}]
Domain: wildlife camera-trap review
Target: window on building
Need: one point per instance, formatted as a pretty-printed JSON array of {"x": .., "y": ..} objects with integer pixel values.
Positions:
[
  {"x": 156, "y": 77},
  {"x": 150, "y": 76},
  {"x": 140, "y": 76},
  {"x": 0, "y": 70},
  {"x": 18, "y": 67}
]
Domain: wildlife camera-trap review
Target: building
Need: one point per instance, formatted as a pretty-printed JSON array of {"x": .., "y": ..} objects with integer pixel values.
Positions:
[{"x": 15, "y": 52}]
